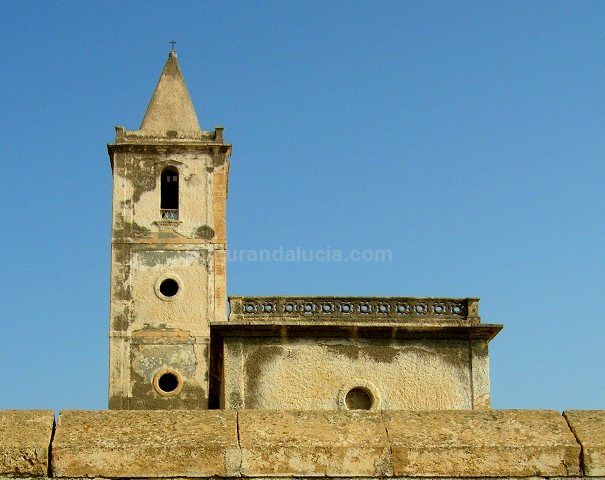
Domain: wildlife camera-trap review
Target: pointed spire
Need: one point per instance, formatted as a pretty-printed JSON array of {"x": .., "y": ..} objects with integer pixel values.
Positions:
[{"x": 170, "y": 107}]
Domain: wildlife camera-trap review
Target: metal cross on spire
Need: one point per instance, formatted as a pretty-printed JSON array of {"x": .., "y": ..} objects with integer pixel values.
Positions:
[{"x": 172, "y": 44}]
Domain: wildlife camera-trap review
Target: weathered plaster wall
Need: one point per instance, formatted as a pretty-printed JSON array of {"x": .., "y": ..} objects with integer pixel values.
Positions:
[
  {"x": 190, "y": 306},
  {"x": 338, "y": 353},
  {"x": 219, "y": 207},
  {"x": 316, "y": 374},
  {"x": 272, "y": 444},
  {"x": 136, "y": 199}
]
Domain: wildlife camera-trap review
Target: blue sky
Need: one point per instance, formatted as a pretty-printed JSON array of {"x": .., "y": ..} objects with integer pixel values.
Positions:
[{"x": 465, "y": 137}]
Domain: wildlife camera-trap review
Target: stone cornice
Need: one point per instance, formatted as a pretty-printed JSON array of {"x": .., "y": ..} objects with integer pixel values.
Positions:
[
  {"x": 353, "y": 329},
  {"x": 162, "y": 143}
]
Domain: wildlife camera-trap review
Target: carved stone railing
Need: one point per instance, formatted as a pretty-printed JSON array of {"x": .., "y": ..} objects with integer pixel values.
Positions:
[
  {"x": 353, "y": 308},
  {"x": 169, "y": 214}
]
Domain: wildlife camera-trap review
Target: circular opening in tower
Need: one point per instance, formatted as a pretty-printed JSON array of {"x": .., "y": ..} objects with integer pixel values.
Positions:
[
  {"x": 359, "y": 398},
  {"x": 169, "y": 287},
  {"x": 168, "y": 382}
]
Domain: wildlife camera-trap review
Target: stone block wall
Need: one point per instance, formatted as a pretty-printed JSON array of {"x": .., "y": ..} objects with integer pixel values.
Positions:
[{"x": 299, "y": 444}]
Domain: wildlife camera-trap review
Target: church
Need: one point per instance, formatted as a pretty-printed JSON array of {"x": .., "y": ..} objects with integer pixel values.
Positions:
[
  {"x": 206, "y": 385},
  {"x": 174, "y": 346}
]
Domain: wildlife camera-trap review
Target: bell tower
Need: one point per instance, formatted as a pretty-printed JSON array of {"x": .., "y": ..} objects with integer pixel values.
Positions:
[{"x": 168, "y": 252}]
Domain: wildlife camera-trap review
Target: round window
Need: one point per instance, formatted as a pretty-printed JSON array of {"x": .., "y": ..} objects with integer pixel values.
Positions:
[
  {"x": 359, "y": 398},
  {"x": 168, "y": 382},
  {"x": 169, "y": 287}
]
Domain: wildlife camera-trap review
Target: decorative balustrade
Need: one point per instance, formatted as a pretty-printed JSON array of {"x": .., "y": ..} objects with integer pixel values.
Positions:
[
  {"x": 169, "y": 214},
  {"x": 353, "y": 308}
]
